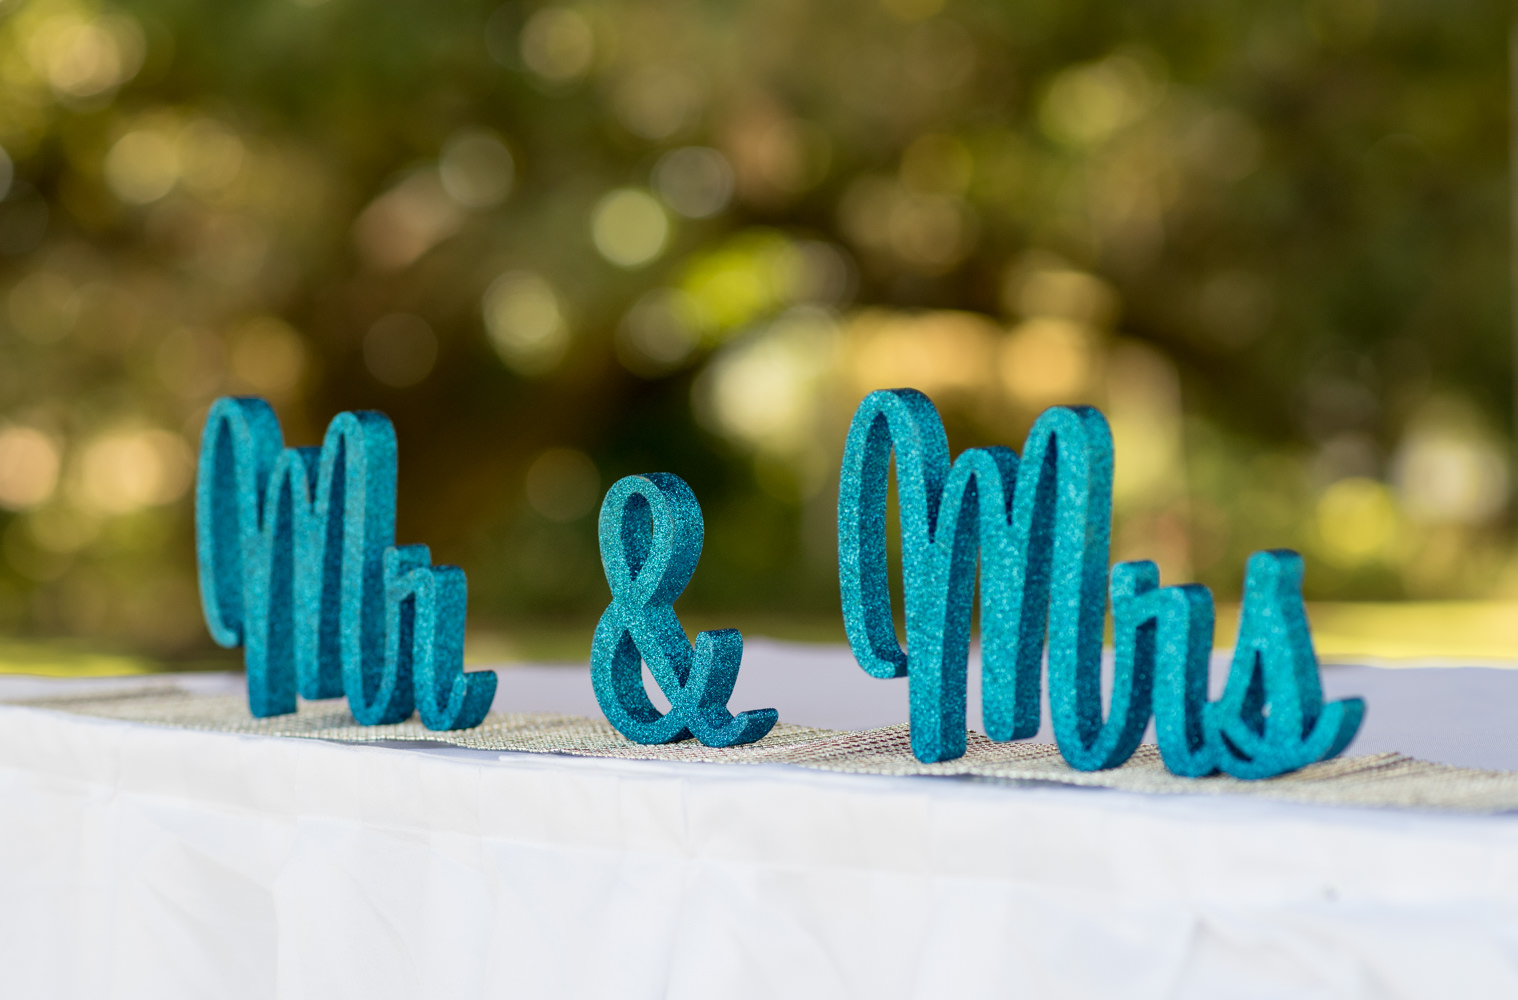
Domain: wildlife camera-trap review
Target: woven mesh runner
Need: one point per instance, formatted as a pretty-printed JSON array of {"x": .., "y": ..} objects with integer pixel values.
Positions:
[{"x": 1385, "y": 779}]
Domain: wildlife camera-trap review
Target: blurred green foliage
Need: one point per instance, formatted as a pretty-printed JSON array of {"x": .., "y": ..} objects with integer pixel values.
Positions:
[{"x": 563, "y": 243}]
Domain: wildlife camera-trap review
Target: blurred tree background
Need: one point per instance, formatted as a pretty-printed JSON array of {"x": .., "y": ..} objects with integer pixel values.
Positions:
[{"x": 560, "y": 243}]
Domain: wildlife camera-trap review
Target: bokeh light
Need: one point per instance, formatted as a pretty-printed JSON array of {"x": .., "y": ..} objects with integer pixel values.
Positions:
[
  {"x": 29, "y": 464},
  {"x": 629, "y": 227},
  {"x": 122, "y": 471},
  {"x": 406, "y": 221},
  {"x": 81, "y": 56},
  {"x": 695, "y": 181},
  {"x": 558, "y": 44},
  {"x": 659, "y": 333},
  {"x": 526, "y": 322},
  {"x": 142, "y": 166},
  {"x": 476, "y": 168}
]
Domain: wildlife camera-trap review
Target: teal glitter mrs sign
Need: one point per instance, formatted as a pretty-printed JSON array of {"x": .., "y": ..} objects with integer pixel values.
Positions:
[
  {"x": 1038, "y": 528},
  {"x": 650, "y": 534},
  {"x": 298, "y": 565}
]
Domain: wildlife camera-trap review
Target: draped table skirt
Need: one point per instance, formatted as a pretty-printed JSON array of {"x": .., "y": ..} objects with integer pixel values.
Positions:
[{"x": 141, "y": 860}]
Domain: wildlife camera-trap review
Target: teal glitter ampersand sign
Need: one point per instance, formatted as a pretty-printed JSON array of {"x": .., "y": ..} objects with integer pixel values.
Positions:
[
  {"x": 1038, "y": 530},
  {"x": 651, "y": 533}
]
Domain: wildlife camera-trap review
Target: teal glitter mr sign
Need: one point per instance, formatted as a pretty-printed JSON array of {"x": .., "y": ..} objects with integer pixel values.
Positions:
[{"x": 298, "y": 565}]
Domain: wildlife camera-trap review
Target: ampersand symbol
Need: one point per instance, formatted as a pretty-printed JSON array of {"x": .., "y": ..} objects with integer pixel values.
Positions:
[{"x": 650, "y": 534}]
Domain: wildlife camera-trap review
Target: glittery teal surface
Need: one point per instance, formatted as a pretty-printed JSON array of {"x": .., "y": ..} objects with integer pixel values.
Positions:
[
  {"x": 424, "y": 651},
  {"x": 1039, "y": 529},
  {"x": 297, "y": 562},
  {"x": 1274, "y": 668},
  {"x": 651, "y": 533}
]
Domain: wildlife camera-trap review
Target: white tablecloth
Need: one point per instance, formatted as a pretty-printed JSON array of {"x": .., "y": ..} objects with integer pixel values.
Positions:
[{"x": 146, "y": 862}]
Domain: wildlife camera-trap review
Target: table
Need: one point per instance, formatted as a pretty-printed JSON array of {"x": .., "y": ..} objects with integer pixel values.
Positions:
[{"x": 143, "y": 861}]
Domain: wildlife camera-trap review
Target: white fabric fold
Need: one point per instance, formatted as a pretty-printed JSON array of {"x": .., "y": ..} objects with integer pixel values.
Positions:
[{"x": 138, "y": 861}]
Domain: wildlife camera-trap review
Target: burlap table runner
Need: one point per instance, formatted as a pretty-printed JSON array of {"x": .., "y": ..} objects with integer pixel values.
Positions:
[{"x": 1385, "y": 779}]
